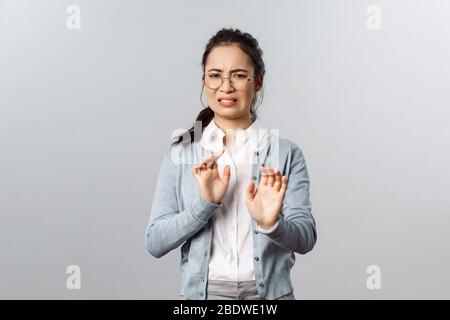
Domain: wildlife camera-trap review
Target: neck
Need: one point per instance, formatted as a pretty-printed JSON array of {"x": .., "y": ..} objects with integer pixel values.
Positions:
[
  {"x": 229, "y": 126},
  {"x": 234, "y": 124}
]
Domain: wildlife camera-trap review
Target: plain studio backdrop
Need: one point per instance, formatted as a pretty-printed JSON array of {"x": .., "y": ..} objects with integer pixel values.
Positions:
[{"x": 86, "y": 115}]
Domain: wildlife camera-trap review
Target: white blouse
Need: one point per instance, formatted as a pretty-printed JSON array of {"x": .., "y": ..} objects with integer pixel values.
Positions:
[{"x": 231, "y": 257}]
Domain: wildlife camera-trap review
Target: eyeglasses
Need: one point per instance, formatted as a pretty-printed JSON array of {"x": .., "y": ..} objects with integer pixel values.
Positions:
[{"x": 214, "y": 80}]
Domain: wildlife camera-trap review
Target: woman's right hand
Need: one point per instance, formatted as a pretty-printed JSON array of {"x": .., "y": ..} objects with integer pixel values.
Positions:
[{"x": 212, "y": 187}]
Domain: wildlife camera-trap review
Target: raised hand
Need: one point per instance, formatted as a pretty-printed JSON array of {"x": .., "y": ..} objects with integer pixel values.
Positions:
[
  {"x": 266, "y": 202},
  {"x": 211, "y": 186}
]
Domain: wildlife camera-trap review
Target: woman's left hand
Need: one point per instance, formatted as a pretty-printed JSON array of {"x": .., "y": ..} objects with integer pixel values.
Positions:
[{"x": 265, "y": 203}]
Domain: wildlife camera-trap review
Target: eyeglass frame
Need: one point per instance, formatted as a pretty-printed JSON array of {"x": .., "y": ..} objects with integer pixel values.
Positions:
[{"x": 221, "y": 83}]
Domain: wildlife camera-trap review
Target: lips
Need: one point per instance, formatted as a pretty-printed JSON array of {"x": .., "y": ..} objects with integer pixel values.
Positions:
[{"x": 227, "y": 101}]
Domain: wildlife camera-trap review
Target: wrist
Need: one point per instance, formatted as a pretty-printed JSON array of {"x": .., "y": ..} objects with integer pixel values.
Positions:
[
  {"x": 266, "y": 226},
  {"x": 211, "y": 199},
  {"x": 269, "y": 230}
]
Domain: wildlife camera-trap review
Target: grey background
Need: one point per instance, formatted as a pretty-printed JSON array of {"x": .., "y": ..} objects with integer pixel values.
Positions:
[{"x": 86, "y": 115}]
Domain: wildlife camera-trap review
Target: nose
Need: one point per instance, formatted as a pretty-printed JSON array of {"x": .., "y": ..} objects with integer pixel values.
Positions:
[{"x": 226, "y": 85}]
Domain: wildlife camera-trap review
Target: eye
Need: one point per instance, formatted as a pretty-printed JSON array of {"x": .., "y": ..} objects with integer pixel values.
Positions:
[
  {"x": 213, "y": 75},
  {"x": 240, "y": 75}
]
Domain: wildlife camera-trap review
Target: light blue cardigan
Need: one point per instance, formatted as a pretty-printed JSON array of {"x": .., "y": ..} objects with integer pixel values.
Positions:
[{"x": 180, "y": 215}]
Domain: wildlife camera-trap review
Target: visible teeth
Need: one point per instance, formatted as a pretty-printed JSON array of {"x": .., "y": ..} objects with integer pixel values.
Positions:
[{"x": 227, "y": 100}]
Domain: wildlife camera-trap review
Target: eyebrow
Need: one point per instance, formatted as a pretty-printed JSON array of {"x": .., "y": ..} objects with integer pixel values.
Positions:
[{"x": 233, "y": 70}]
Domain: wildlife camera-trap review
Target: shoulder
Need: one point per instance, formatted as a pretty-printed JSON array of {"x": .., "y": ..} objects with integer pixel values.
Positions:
[
  {"x": 183, "y": 153},
  {"x": 171, "y": 156},
  {"x": 289, "y": 147},
  {"x": 293, "y": 160}
]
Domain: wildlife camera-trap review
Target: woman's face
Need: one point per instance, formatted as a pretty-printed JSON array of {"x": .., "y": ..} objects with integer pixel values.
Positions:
[{"x": 230, "y": 62}]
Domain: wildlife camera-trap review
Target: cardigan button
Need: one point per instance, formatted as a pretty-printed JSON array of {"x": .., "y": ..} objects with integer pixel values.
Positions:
[
  {"x": 254, "y": 177},
  {"x": 256, "y": 153},
  {"x": 256, "y": 258},
  {"x": 261, "y": 285}
]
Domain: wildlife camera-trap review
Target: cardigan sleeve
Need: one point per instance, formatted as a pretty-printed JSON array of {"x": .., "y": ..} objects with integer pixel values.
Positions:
[
  {"x": 296, "y": 228},
  {"x": 168, "y": 227}
]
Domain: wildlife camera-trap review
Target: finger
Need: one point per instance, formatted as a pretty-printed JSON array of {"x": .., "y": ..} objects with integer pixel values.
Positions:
[
  {"x": 209, "y": 159},
  {"x": 265, "y": 169},
  {"x": 264, "y": 174},
  {"x": 213, "y": 156},
  {"x": 277, "y": 184},
  {"x": 226, "y": 175},
  {"x": 268, "y": 170},
  {"x": 210, "y": 165},
  {"x": 212, "y": 161},
  {"x": 251, "y": 191},
  {"x": 271, "y": 179},
  {"x": 283, "y": 185}
]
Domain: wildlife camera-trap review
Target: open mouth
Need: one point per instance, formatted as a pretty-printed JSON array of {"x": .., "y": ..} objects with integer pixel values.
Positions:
[{"x": 227, "y": 100}]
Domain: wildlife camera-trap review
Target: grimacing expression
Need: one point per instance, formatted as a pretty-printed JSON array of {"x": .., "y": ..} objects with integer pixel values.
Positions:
[{"x": 229, "y": 61}]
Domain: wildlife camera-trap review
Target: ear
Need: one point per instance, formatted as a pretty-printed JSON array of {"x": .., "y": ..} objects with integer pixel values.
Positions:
[{"x": 259, "y": 82}]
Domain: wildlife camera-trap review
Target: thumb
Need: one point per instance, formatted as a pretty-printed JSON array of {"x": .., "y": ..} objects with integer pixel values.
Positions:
[
  {"x": 226, "y": 175},
  {"x": 194, "y": 171},
  {"x": 250, "y": 191}
]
